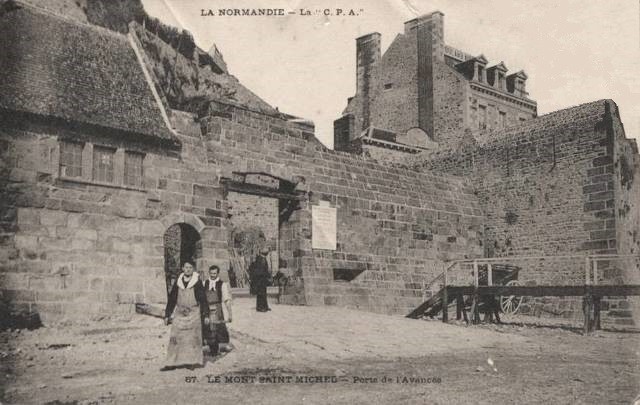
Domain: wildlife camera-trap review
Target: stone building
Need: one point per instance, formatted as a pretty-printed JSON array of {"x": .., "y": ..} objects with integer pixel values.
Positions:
[
  {"x": 109, "y": 180},
  {"x": 424, "y": 93},
  {"x": 96, "y": 170}
]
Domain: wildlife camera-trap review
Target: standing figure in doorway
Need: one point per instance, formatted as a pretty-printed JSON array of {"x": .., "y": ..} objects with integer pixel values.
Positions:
[
  {"x": 260, "y": 277},
  {"x": 219, "y": 299},
  {"x": 186, "y": 309}
]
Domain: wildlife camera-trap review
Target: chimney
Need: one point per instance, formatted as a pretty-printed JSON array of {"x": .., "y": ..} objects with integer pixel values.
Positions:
[
  {"x": 367, "y": 54},
  {"x": 430, "y": 27},
  {"x": 344, "y": 132},
  {"x": 428, "y": 30}
]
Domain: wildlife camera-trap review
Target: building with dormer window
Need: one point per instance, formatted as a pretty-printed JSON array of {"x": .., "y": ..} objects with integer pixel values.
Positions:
[{"x": 421, "y": 84}]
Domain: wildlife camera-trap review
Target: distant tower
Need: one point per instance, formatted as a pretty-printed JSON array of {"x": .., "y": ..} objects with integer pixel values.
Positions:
[
  {"x": 367, "y": 55},
  {"x": 429, "y": 32},
  {"x": 219, "y": 65}
]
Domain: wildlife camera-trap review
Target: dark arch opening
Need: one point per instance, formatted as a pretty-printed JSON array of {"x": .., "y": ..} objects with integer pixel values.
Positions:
[{"x": 181, "y": 243}]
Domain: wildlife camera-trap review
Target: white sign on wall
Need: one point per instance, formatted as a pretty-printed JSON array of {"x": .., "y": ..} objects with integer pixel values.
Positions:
[{"x": 323, "y": 227}]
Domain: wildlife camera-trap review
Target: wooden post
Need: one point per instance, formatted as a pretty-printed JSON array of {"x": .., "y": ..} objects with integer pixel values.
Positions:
[
  {"x": 475, "y": 273},
  {"x": 489, "y": 300},
  {"x": 595, "y": 271},
  {"x": 475, "y": 311},
  {"x": 459, "y": 304},
  {"x": 472, "y": 310},
  {"x": 445, "y": 298},
  {"x": 476, "y": 308},
  {"x": 445, "y": 304},
  {"x": 587, "y": 300},
  {"x": 587, "y": 306},
  {"x": 156, "y": 310},
  {"x": 596, "y": 312},
  {"x": 587, "y": 263}
]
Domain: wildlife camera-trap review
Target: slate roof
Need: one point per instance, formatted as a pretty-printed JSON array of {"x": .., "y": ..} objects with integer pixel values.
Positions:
[{"x": 58, "y": 67}]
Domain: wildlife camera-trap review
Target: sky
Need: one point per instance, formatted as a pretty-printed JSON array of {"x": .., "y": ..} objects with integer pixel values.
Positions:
[{"x": 574, "y": 51}]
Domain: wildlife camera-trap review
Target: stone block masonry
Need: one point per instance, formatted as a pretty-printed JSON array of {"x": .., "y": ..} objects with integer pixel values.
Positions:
[
  {"x": 91, "y": 193},
  {"x": 548, "y": 187},
  {"x": 395, "y": 226},
  {"x": 79, "y": 248},
  {"x": 417, "y": 83},
  {"x": 68, "y": 244}
]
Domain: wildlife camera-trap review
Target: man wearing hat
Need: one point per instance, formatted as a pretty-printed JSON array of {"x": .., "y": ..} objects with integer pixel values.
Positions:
[{"x": 260, "y": 277}]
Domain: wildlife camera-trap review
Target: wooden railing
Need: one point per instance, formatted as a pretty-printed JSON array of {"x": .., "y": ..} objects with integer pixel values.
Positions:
[{"x": 591, "y": 289}]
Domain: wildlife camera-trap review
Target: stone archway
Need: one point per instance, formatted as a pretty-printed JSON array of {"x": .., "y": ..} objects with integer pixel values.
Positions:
[
  {"x": 182, "y": 243},
  {"x": 155, "y": 288},
  {"x": 270, "y": 206},
  {"x": 180, "y": 217}
]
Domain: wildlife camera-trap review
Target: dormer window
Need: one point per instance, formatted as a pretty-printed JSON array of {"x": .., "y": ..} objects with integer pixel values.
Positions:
[
  {"x": 516, "y": 83},
  {"x": 496, "y": 76},
  {"x": 501, "y": 81},
  {"x": 474, "y": 69},
  {"x": 480, "y": 73},
  {"x": 388, "y": 86}
]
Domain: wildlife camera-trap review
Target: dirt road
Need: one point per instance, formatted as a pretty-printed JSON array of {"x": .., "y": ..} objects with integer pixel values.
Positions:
[{"x": 321, "y": 355}]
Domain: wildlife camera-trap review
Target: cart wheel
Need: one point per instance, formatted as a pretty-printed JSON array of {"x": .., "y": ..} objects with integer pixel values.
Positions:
[{"x": 510, "y": 304}]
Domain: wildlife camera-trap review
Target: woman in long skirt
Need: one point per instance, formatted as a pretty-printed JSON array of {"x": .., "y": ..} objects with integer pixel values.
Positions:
[{"x": 186, "y": 306}]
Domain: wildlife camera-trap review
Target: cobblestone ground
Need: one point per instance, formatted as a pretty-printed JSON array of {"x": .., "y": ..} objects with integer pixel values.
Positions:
[{"x": 321, "y": 355}]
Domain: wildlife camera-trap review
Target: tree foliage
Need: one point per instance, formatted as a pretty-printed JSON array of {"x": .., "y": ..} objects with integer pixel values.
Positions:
[{"x": 117, "y": 14}]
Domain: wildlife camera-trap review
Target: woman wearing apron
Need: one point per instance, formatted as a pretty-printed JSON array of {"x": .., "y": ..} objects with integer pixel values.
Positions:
[
  {"x": 219, "y": 298},
  {"x": 189, "y": 300}
]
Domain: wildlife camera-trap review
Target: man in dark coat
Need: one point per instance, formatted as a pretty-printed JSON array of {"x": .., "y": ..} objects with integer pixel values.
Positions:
[{"x": 260, "y": 278}]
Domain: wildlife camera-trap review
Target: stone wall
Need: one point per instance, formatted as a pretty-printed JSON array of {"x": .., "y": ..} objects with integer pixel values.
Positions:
[
  {"x": 249, "y": 211},
  {"x": 547, "y": 188},
  {"x": 394, "y": 88},
  {"x": 73, "y": 247},
  {"x": 386, "y": 154},
  {"x": 395, "y": 226},
  {"x": 79, "y": 248},
  {"x": 344, "y": 129},
  {"x": 515, "y": 110},
  {"x": 450, "y": 90},
  {"x": 627, "y": 216}
]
